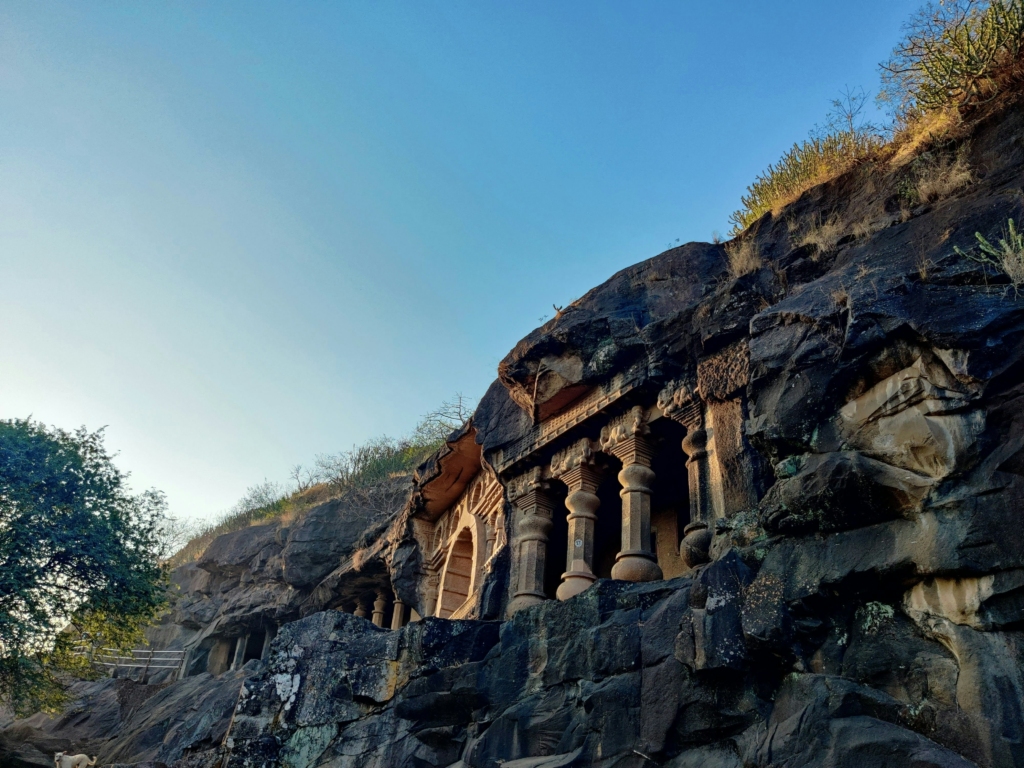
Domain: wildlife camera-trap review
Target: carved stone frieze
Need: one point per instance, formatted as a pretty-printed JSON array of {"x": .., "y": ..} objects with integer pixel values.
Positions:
[
  {"x": 680, "y": 402},
  {"x": 529, "y": 482},
  {"x": 622, "y": 432},
  {"x": 722, "y": 375},
  {"x": 572, "y": 457}
]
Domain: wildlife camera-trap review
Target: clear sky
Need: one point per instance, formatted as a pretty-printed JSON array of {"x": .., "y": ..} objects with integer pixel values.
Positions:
[{"x": 239, "y": 234}]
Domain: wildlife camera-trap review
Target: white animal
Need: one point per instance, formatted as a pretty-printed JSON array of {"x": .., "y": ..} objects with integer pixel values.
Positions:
[{"x": 64, "y": 760}]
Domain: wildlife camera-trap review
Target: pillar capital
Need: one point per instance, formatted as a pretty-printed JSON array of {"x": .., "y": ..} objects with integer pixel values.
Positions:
[
  {"x": 528, "y": 490},
  {"x": 574, "y": 466},
  {"x": 626, "y": 437},
  {"x": 680, "y": 401}
]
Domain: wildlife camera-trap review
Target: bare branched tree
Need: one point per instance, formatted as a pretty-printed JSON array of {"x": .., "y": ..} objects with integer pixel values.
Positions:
[
  {"x": 845, "y": 116},
  {"x": 304, "y": 478},
  {"x": 437, "y": 425}
]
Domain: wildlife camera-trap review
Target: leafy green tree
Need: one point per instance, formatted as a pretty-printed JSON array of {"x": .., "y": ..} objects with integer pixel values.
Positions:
[{"x": 79, "y": 556}]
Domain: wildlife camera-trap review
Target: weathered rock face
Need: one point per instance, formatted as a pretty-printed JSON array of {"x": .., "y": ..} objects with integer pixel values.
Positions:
[
  {"x": 122, "y": 721},
  {"x": 265, "y": 575},
  {"x": 863, "y": 600},
  {"x": 856, "y": 599},
  {"x": 621, "y": 675}
]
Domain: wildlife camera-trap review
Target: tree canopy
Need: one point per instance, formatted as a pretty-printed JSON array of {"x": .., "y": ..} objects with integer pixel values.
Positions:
[{"x": 78, "y": 550}]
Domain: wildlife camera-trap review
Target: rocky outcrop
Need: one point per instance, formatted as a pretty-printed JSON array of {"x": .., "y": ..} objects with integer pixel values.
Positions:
[
  {"x": 122, "y": 721},
  {"x": 856, "y": 599},
  {"x": 655, "y": 674},
  {"x": 266, "y": 575}
]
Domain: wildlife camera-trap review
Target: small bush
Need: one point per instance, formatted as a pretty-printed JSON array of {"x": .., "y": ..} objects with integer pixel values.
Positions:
[
  {"x": 1007, "y": 256},
  {"x": 824, "y": 236},
  {"x": 863, "y": 228},
  {"x": 744, "y": 257},
  {"x": 954, "y": 55},
  {"x": 828, "y": 152},
  {"x": 913, "y": 135},
  {"x": 940, "y": 178}
]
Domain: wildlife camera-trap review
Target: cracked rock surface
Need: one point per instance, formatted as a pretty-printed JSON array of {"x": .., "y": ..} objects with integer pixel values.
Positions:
[{"x": 865, "y": 610}]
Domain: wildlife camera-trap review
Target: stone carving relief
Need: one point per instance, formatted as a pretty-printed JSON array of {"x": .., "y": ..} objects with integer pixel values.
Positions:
[
  {"x": 479, "y": 514},
  {"x": 619, "y": 432},
  {"x": 721, "y": 376},
  {"x": 882, "y": 455},
  {"x": 680, "y": 402},
  {"x": 572, "y": 457},
  {"x": 916, "y": 420}
]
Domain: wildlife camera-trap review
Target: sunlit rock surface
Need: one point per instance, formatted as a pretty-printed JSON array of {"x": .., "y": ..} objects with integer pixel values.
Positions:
[{"x": 851, "y": 586}]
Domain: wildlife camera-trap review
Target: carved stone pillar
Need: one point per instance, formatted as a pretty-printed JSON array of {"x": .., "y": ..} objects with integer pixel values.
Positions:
[
  {"x": 433, "y": 587},
  {"x": 722, "y": 380},
  {"x": 268, "y": 638},
  {"x": 575, "y": 467},
  {"x": 491, "y": 533},
  {"x": 531, "y": 542},
  {"x": 398, "y": 614},
  {"x": 239, "y": 658},
  {"x": 360, "y": 610},
  {"x": 626, "y": 438},
  {"x": 378, "y": 609},
  {"x": 680, "y": 403}
]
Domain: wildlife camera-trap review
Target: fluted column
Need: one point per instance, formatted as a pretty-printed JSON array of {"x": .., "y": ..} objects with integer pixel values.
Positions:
[
  {"x": 378, "y": 609},
  {"x": 680, "y": 403},
  {"x": 626, "y": 438},
  {"x": 574, "y": 466},
  {"x": 531, "y": 542},
  {"x": 398, "y": 614}
]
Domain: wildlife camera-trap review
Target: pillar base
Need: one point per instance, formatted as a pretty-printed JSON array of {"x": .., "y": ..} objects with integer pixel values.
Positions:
[
  {"x": 521, "y": 601},
  {"x": 696, "y": 544},
  {"x": 573, "y": 583},
  {"x": 636, "y": 566}
]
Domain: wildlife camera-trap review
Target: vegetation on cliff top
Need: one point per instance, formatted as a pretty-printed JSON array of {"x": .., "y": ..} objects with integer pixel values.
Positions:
[
  {"x": 76, "y": 549},
  {"x": 354, "y": 473},
  {"x": 955, "y": 55}
]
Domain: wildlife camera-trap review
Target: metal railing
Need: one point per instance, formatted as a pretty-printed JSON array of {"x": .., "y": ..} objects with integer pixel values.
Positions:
[{"x": 145, "y": 659}]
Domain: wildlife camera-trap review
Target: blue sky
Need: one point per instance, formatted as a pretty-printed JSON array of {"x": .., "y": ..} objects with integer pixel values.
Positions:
[{"x": 239, "y": 234}]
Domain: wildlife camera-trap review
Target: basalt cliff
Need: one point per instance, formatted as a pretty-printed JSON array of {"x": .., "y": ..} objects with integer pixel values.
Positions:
[{"x": 701, "y": 518}]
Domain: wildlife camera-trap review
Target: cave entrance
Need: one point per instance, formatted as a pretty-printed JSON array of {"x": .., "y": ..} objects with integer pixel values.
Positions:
[
  {"x": 608, "y": 530},
  {"x": 670, "y": 497}
]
